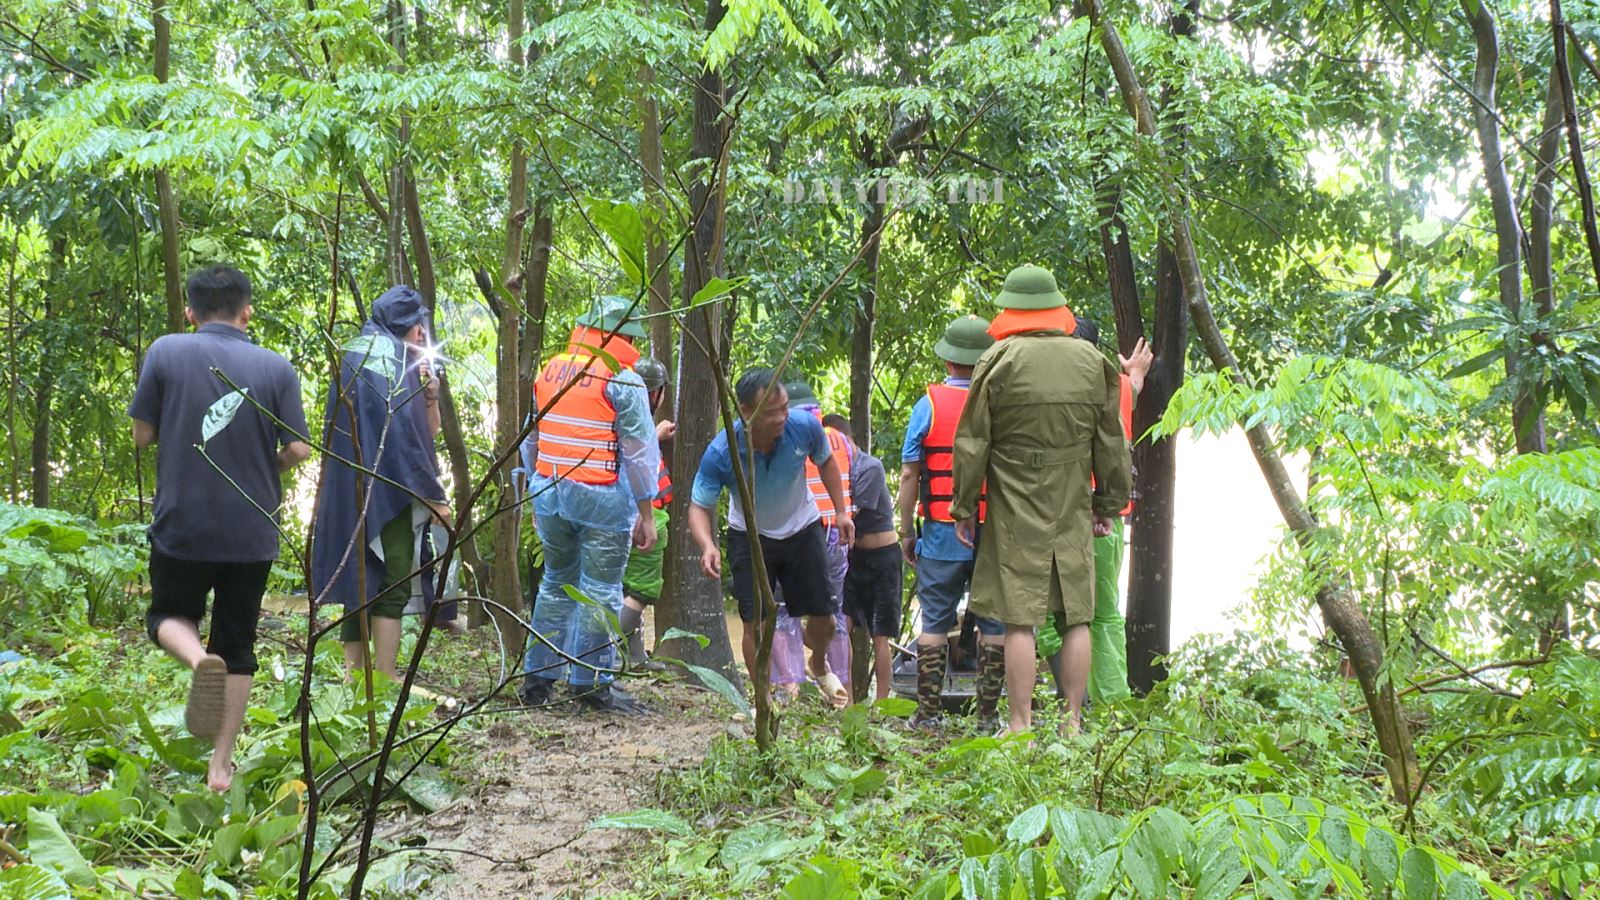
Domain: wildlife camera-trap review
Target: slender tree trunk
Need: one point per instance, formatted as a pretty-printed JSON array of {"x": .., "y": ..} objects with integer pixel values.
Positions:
[
  {"x": 396, "y": 265},
  {"x": 166, "y": 198},
  {"x": 692, "y": 601},
  {"x": 13, "y": 485},
  {"x": 656, "y": 216},
  {"x": 1580, "y": 169},
  {"x": 1541, "y": 278},
  {"x": 1508, "y": 231},
  {"x": 535, "y": 293},
  {"x": 455, "y": 441},
  {"x": 1155, "y": 462},
  {"x": 865, "y": 321},
  {"x": 504, "y": 578},
  {"x": 1339, "y": 607},
  {"x": 45, "y": 386},
  {"x": 1149, "y": 607}
]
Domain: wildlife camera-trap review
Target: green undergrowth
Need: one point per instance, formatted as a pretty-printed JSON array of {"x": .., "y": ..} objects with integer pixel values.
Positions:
[
  {"x": 102, "y": 790},
  {"x": 107, "y": 791},
  {"x": 1244, "y": 777}
]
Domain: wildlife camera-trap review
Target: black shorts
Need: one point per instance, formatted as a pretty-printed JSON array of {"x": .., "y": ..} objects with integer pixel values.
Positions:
[
  {"x": 178, "y": 589},
  {"x": 872, "y": 587},
  {"x": 798, "y": 564}
]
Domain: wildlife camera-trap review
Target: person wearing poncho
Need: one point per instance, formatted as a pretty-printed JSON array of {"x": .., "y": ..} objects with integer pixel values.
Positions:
[{"x": 382, "y": 416}]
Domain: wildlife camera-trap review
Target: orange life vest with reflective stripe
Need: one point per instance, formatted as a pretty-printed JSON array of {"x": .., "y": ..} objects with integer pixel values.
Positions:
[
  {"x": 578, "y": 428},
  {"x": 938, "y": 483},
  {"x": 1125, "y": 407},
  {"x": 843, "y": 453},
  {"x": 663, "y": 488}
]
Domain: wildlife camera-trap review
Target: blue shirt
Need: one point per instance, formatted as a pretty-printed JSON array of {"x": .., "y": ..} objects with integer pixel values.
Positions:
[
  {"x": 938, "y": 540},
  {"x": 784, "y": 505},
  {"x": 609, "y": 507}
]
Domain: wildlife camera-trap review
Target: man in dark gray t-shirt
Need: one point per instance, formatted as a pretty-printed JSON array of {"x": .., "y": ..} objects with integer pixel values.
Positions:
[{"x": 218, "y": 462}]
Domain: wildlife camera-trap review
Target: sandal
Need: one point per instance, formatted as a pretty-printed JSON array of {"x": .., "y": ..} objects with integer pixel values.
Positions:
[{"x": 203, "y": 715}]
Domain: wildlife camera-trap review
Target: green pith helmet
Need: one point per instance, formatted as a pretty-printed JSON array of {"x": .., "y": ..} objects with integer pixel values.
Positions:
[
  {"x": 652, "y": 372},
  {"x": 604, "y": 314},
  {"x": 800, "y": 394},
  {"x": 964, "y": 341},
  {"x": 1030, "y": 287}
]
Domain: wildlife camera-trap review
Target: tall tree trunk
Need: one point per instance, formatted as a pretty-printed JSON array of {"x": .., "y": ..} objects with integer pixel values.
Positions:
[
  {"x": 1541, "y": 278},
  {"x": 455, "y": 441},
  {"x": 865, "y": 320},
  {"x": 396, "y": 266},
  {"x": 1149, "y": 608},
  {"x": 692, "y": 601},
  {"x": 656, "y": 217},
  {"x": 504, "y": 579},
  {"x": 1508, "y": 231},
  {"x": 166, "y": 198},
  {"x": 1339, "y": 608},
  {"x": 535, "y": 293},
  {"x": 45, "y": 386},
  {"x": 1155, "y": 462},
  {"x": 1580, "y": 169},
  {"x": 13, "y": 478}
]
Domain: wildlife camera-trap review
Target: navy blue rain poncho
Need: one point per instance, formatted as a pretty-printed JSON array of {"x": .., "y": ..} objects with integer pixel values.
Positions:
[{"x": 378, "y": 379}]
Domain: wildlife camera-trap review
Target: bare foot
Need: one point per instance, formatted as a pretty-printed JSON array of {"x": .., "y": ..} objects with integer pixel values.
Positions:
[
  {"x": 1071, "y": 726},
  {"x": 219, "y": 776}
]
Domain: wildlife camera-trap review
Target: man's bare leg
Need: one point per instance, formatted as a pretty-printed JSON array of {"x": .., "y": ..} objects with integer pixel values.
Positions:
[
  {"x": 1074, "y": 674},
  {"x": 882, "y": 657},
  {"x": 386, "y": 645},
  {"x": 181, "y": 639},
  {"x": 235, "y": 697},
  {"x": 818, "y": 634},
  {"x": 1021, "y": 670},
  {"x": 385, "y": 651}
]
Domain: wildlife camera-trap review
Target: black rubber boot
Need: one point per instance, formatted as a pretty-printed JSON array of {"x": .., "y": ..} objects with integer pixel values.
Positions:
[
  {"x": 536, "y": 691},
  {"x": 930, "y": 685},
  {"x": 990, "y": 682},
  {"x": 608, "y": 698}
]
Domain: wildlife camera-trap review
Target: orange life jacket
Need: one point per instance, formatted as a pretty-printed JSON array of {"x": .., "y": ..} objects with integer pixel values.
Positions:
[
  {"x": 1125, "y": 407},
  {"x": 663, "y": 488},
  {"x": 578, "y": 428},
  {"x": 843, "y": 453},
  {"x": 938, "y": 484}
]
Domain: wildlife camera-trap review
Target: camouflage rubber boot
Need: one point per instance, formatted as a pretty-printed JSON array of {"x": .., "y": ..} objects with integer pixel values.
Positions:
[
  {"x": 990, "y": 682},
  {"x": 930, "y": 685}
]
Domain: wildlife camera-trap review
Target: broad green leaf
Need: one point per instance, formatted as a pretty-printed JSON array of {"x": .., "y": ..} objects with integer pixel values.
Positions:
[
  {"x": 1026, "y": 827},
  {"x": 427, "y": 787},
  {"x": 713, "y": 681},
  {"x": 898, "y": 707},
  {"x": 621, "y": 223},
  {"x": 646, "y": 820},
  {"x": 1421, "y": 877},
  {"x": 50, "y": 847},
  {"x": 1380, "y": 859},
  {"x": 221, "y": 414},
  {"x": 673, "y": 634},
  {"x": 32, "y": 882}
]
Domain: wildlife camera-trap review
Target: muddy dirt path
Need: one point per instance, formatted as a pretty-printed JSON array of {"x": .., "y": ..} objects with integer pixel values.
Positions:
[{"x": 543, "y": 776}]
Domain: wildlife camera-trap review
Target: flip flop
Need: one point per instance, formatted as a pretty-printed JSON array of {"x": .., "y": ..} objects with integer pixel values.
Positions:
[{"x": 203, "y": 715}]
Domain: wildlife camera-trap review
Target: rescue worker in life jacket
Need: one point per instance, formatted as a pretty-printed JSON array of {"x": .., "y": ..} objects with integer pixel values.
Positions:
[
  {"x": 642, "y": 580},
  {"x": 944, "y": 564},
  {"x": 595, "y": 464}
]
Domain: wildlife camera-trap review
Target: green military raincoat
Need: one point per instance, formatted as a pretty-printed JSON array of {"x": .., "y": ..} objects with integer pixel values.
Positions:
[{"x": 1041, "y": 417}]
